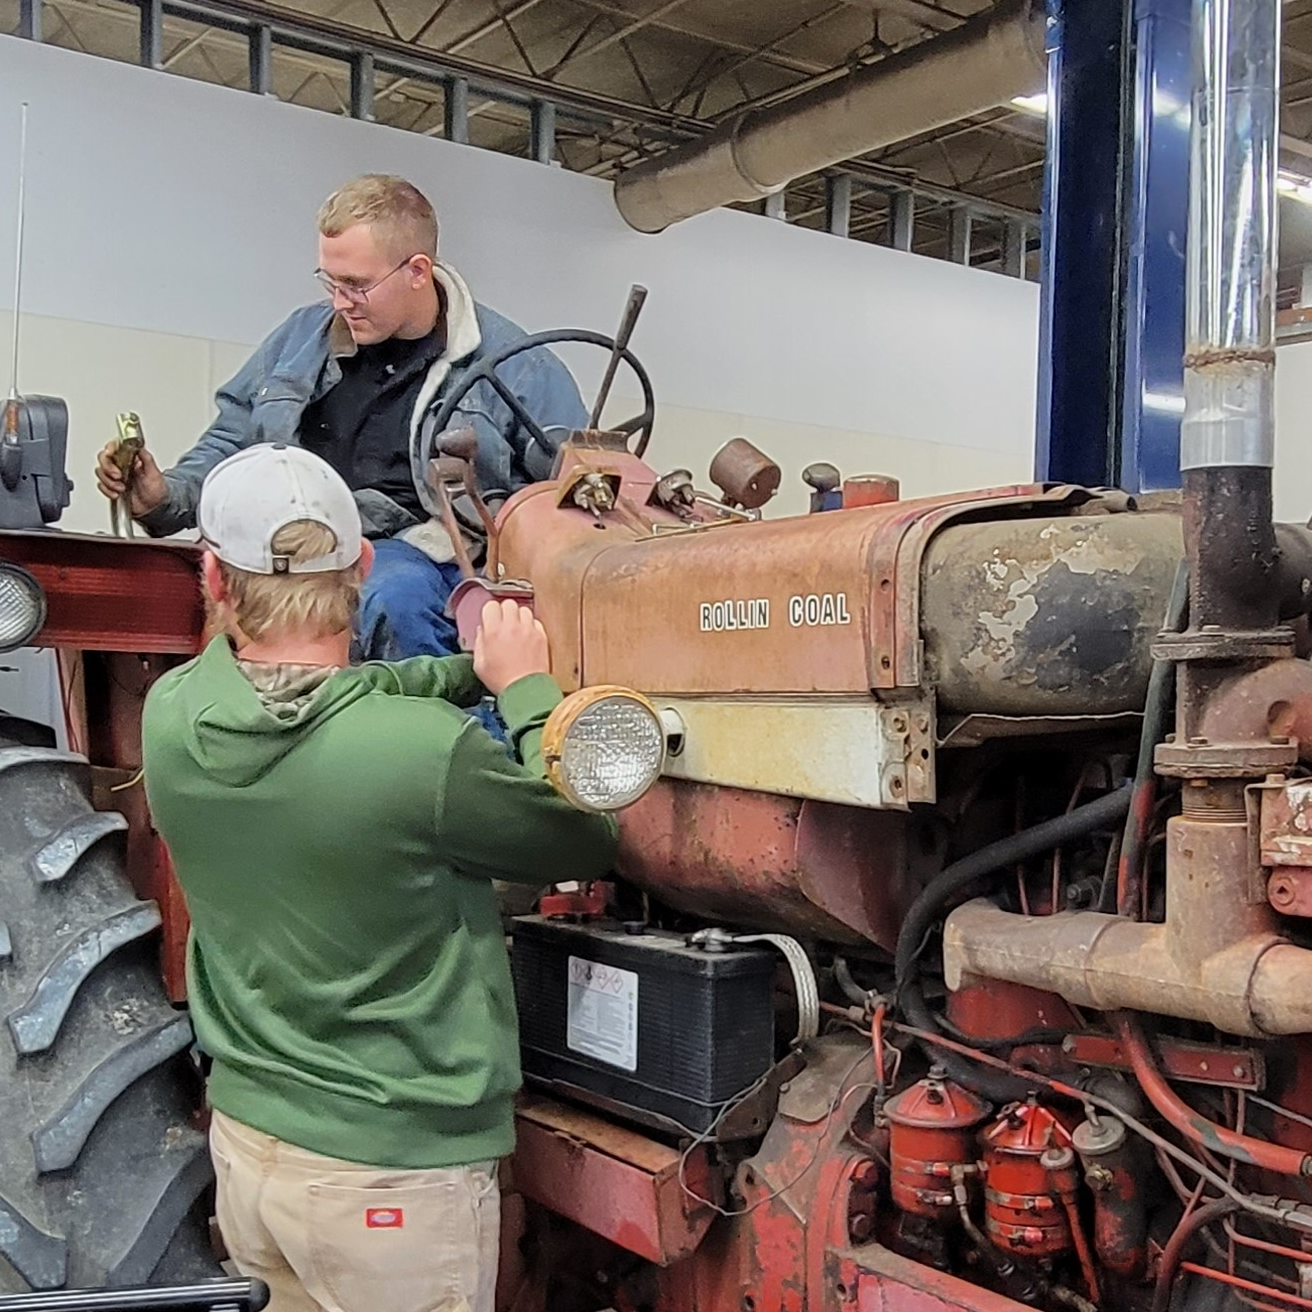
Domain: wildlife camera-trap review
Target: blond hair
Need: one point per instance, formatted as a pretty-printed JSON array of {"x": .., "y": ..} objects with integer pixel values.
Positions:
[
  {"x": 402, "y": 220},
  {"x": 307, "y": 605}
]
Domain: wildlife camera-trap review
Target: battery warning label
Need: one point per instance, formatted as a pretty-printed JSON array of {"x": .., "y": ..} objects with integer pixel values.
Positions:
[{"x": 603, "y": 1013}]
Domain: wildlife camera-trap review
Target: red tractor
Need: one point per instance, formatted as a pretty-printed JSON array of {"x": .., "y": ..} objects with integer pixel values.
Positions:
[
  {"x": 746, "y": 1086},
  {"x": 103, "y": 1171},
  {"x": 958, "y": 954}
]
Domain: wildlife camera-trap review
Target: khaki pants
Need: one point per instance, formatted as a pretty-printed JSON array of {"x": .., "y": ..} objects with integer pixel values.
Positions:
[{"x": 331, "y": 1236}]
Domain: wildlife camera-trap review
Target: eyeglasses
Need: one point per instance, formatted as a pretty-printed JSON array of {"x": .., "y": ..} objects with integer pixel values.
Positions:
[{"x": 356, "y": 295}]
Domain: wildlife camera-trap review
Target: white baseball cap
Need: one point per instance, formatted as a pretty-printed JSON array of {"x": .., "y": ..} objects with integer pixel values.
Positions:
[{"x": 247, "y": 498}]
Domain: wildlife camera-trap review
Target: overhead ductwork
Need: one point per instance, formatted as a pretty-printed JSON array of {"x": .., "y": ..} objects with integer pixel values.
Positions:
[{"x": 982, "y": 64}]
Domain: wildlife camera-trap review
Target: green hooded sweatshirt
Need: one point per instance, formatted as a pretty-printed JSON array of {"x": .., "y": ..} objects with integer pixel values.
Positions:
[{"x": 347, "y": 970}]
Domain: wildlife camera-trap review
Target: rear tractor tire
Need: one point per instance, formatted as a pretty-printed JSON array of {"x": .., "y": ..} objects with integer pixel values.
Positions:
[{"x": 104, "y": 1180}]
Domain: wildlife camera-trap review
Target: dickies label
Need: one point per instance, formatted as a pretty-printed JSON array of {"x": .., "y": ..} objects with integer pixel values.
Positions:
[{"x": 384, "y": 1218}]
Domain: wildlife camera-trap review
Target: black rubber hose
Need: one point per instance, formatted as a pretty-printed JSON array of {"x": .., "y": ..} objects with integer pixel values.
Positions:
[
  {"x": 1125, "y": 893},
  {"x": 852, "y": 991},
  {"x": 930, "y": 906}
]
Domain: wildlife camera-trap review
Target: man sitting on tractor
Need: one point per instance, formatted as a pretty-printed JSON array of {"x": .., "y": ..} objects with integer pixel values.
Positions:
[
  {"x": 352, "y": 379},
  {"x": 336, "y": 831}
]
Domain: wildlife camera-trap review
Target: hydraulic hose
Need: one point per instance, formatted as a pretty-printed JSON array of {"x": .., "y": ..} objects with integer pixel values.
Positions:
[
  {"x": 1193, "y": 1125},
  {"x": 956, "y": 879},
  {"x": 1125, "y": 894},
  {"x": 1174, "y": 1250}
]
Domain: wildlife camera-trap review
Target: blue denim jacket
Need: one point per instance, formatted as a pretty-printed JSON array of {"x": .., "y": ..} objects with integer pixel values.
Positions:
[{"x": 299, "y": 361}]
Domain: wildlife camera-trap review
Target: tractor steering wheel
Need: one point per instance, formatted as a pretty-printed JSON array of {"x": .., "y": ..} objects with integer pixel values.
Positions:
[{"x": 485, "y": 370}]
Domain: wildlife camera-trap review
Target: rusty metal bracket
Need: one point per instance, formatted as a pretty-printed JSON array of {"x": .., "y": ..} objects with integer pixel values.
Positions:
[
  {"x": 749, "y": 1117},
  {"x": 1280, "y": 818},
  {"x": 1285, "y": 822},
  {"x": 1192, "y": 1063},
  {"x": 1211, "y": 643},
  {"x": 1200, "y": 758},
  {"x": 617, "y": 1183}
]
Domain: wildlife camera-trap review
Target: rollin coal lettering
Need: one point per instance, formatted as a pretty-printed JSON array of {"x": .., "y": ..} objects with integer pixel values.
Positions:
[
  {"x": 818, "y": 608},
  {"x": 722, "y": 616}
]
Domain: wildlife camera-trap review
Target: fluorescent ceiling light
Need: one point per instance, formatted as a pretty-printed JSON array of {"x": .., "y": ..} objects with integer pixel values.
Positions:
[
  {"x": 1288, "y": 184},
  {"x": 1035, "y": 104}
]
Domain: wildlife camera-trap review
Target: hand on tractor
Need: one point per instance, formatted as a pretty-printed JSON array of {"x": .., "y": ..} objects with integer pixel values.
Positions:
[
  {"x": 148, "y": 488},
  {"x": 510, "y": 645}
]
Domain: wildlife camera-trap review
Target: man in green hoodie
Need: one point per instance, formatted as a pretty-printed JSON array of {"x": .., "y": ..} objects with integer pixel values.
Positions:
[{"x": 336, "y": 832}]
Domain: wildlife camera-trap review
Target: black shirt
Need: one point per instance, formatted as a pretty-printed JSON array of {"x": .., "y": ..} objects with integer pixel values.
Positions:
[{"x": 362, "y": 426}]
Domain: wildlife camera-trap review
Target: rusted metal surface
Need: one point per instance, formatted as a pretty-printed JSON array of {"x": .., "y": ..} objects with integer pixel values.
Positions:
[
  {"x": 1199, "y": 757},
  {"x": 870, "y": 490},
  {"x": 800, "y": 1236},
  {"x": 746, "y": 475},
  {"x": 998, "y": 1010},
  {"x": 614, "y": 1182},
  {"x": 1217, "y": 958},
  {"x": 890, "y": 1283},
  {"x": 780, "y": 606},
  {"x": 109, "y": 594},
  {"x": 114, "y": 686},
  {"x": 1194, "y": 1063},
  {"x": 919, "y": 528},
  {"x": 1285, "y": 835},
  {"x": 1113, "y": 1172},
  {"x": 538, "y": 541},
  {"x": 803, "y": 605},
  {"x": 1196, "y": 1127},
  {"x": 755, "y": 859},
  {"x": 591, "y": 901},
  {"x": 1024, "y": 618},
  {"x": 1250, "y": 1286},
  {"x": 1289, "y": 891},
  {"x": 1228, "y": 519}
]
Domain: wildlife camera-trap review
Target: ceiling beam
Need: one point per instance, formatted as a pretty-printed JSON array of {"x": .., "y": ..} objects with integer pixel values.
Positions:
[
  {"x": 914, "y": 11},
  {"x": 790, "y": 62},
  {"x": 619, "y": 35}
]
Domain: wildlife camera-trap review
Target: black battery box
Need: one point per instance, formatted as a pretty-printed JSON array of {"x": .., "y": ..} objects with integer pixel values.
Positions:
[{"x": 641, "y": 1024}]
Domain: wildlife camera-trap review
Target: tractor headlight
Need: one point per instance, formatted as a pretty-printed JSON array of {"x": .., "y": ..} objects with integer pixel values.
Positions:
[
  {"x": 604, "y": 747},
  {"x": 22, "y": 607}
]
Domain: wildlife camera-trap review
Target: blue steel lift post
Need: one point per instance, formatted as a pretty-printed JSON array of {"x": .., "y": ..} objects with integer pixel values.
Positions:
[{"x": 1115, "y": 211}]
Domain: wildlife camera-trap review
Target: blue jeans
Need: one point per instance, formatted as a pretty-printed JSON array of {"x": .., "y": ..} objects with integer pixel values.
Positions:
[
  {"x": 403, "y": 613},
  {"x": 403, "y": 605}
]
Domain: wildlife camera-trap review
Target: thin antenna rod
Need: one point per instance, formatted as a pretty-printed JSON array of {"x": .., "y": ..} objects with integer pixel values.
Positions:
[{"x": 18, "y": 258}]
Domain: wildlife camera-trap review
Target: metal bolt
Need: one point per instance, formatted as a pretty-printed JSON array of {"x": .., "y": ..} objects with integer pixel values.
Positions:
[
  {"x": 1202, "y": 1066},
  {"x": 861, "y": 1226},
  {"x": 896, "y": 785},
  {"x": 1237, "y": 1072},
  {"x": 1057, "y": 1159},
  {"x": 1197, "y": 741},
  {"x": 899, "y": 723}
]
